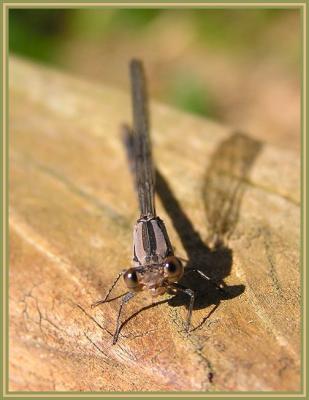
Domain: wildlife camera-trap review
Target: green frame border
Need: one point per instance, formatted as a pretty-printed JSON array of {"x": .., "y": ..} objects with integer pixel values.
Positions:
[
  {"x": 4, "y": 248},
  {"x": 3, "y": 209}
]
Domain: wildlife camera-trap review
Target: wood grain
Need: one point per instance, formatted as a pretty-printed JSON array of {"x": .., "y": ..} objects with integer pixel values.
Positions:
[{"x": 231, "y": 205}]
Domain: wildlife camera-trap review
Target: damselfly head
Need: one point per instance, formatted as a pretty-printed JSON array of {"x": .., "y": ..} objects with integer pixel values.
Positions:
[
  {"x": 154, "y": 278},
  {"x": 149, "y": 277}
]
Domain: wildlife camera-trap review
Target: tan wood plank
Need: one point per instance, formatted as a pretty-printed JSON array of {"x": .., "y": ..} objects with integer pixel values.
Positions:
[{"x": 72, "y": 209}]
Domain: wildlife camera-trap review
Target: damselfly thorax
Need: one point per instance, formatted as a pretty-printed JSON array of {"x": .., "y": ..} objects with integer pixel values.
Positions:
[{"x": 154, "y": 262}]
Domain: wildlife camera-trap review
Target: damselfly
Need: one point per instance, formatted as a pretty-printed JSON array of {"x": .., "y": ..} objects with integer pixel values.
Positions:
[{"x": 155, "y": 267}]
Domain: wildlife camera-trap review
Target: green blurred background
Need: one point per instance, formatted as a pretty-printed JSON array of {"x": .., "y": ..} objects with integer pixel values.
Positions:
[{"x": 238, "y": 66}]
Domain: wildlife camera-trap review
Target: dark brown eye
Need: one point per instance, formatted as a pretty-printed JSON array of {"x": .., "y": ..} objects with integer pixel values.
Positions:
[
  {"x": 130, "y": 278},
  {"x": 173, "y": 269}
]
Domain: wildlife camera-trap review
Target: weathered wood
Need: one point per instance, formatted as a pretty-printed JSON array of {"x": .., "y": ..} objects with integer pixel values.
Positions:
[{"x": 230, "y": 203}]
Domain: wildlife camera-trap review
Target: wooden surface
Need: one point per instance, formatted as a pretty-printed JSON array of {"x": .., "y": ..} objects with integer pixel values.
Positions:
[{"x": 231, "y": 205}]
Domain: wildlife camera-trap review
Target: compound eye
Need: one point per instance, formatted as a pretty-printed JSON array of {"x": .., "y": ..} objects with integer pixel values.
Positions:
[
  {"x": 130, "y": 278},
  {"x": 173, "y": 268}
]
